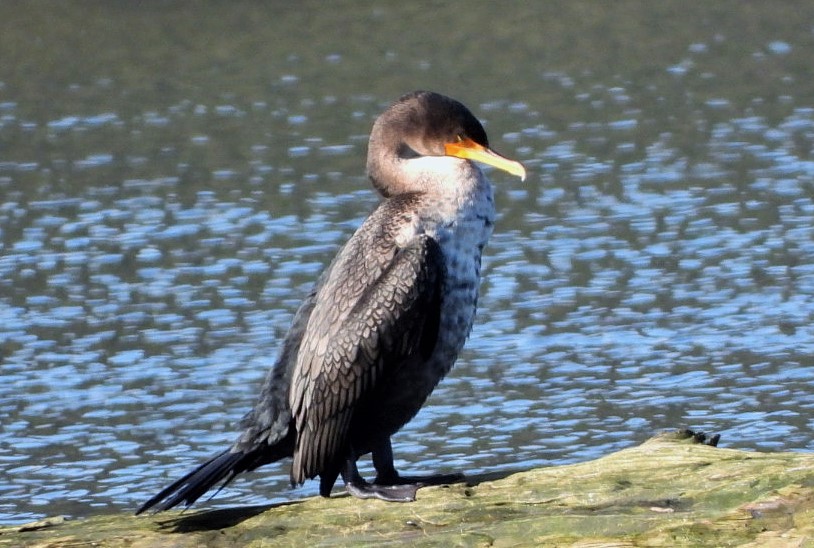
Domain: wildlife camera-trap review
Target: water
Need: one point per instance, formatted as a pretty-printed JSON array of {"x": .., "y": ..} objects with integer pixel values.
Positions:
[{"x": 171, "y": 185}]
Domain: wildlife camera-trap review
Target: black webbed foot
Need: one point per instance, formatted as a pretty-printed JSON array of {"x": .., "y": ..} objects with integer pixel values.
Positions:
[
  {"x": 389, "y": 485},
  {"x": 398, "y": 488},
  {"x": 389, "y": 493},
  {"x": 386, "y": 473}
]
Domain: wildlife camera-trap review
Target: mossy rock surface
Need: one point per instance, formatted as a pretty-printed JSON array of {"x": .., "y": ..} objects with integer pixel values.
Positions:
[{"x": 668, "y": 491}]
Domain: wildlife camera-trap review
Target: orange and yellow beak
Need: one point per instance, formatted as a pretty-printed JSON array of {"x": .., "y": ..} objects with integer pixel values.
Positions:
[{"x": 470, "y": 150}]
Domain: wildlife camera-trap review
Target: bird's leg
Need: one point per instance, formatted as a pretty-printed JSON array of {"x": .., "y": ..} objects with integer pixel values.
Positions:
[
  {"x": 358, "y": 487},
  {"x": 386, "y": 474},
  {"x": 389, "y": 485}
]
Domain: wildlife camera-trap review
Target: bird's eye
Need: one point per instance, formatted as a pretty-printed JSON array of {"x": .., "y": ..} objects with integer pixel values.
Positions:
[{"x": 406, "y": 152}]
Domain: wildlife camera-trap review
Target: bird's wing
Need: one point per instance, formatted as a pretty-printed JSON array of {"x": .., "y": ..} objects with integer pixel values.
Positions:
[
  {"x": 269, "y": 420},
  {"x": 349, "y": 347}
]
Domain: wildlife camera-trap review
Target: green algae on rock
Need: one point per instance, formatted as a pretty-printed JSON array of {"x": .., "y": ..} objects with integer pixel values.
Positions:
[{"x": 669, "y": 491}]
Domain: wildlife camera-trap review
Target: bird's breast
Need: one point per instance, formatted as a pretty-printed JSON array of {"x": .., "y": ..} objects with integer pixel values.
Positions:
[
  {"x": 462, "y": 241},
  {"x": 461, "y": 227}
]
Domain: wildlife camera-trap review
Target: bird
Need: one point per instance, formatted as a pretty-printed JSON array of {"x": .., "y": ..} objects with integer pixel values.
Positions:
[{"x": 385, "y": 321}]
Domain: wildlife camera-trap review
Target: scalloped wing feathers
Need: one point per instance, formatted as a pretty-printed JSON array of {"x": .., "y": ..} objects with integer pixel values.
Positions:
[{"x": 351, "y": 345}]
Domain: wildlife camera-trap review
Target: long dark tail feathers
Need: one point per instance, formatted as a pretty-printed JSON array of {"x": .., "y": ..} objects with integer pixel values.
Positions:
[{"x": 223, "y": 467}]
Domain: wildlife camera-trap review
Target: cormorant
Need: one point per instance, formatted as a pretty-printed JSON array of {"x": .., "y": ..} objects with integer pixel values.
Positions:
[{"x": 384, "y": 322}]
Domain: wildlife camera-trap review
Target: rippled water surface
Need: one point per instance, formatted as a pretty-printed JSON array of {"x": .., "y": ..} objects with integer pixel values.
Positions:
[{"x": 172, "y": 184}]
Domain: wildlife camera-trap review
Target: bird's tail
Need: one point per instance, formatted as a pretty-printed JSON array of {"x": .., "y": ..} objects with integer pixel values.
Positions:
[{"x": 222, "y": 467}]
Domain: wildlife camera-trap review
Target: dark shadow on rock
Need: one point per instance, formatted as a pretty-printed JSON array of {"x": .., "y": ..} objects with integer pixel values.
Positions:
[
  {"x": 212, "y": 520},
  {"x": 218, "y": 519},
  {"x": 474, "y": 480}
]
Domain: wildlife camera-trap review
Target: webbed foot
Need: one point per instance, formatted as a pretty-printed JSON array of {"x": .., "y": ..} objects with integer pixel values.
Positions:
[{"x": 389, "y": 493}]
